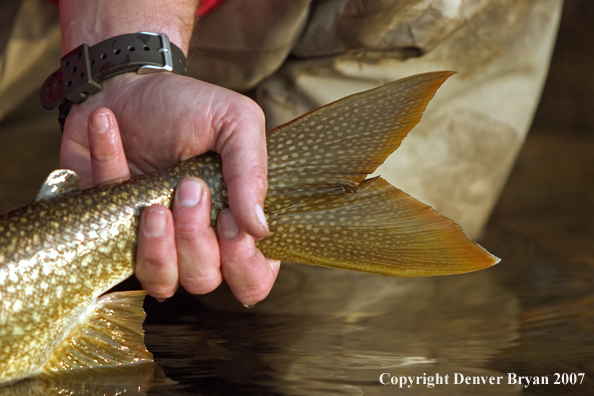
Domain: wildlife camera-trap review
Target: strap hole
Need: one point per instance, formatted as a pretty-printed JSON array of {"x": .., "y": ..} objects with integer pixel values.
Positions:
[
  {"x": 116, "y": 51},
  {"x": 79, "y": 55},
  {"x": 82, "y": 75},
  {"x": 146, "y": 48},
  {"x": 103, "y": 56},
  {"x": 67, "y": 63},
  {"x": 92, "y": 62},
  {"x": 131, "y": 48},
  {"x": 74, "y": 69},
  {"x": 69, "y": 83}
]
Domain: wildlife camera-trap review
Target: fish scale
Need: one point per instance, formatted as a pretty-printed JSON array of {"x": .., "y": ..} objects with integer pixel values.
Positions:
[{"x": 60, "y": 253}]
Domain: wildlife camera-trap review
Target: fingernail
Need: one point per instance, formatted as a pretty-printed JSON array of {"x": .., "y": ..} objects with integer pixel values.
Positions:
[
  {"x": 227, "y": 226},
  {"x": 274, "y": 265},
  {"x": 261, "y": 217},
  {"x": 189, "y": 193},
  {"x": 249, "y": 305},
  {"x": 101, "y": 122},
  {"x": 161, "y": 299},
  {"x": 155, "y": 223}
]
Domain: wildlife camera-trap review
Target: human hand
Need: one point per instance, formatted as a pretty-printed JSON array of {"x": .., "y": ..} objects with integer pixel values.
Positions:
[{"x": 163, "y": 119}]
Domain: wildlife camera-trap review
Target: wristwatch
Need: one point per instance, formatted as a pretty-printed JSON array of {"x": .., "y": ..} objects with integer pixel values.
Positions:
[{"x": 84, "y": 68}]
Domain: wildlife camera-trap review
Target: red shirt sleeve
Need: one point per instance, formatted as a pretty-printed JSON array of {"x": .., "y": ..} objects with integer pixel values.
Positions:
[{"x": 207, "y": 6}]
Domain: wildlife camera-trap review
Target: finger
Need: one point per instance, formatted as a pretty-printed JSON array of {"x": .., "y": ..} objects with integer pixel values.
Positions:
[
  {"x": 245, "y": 269},
  {"x": 274, "y": 267},
  {"x": 74, "y": 149},
  {"x": 196, "y": 241},
  {"x": 243, "y": 149},
  {"x": 108, "y": 160},
  {"x": 156, "y": 263}
]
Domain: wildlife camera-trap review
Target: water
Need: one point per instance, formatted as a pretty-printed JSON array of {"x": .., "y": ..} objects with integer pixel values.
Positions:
[{"x": 328, "y": 332}]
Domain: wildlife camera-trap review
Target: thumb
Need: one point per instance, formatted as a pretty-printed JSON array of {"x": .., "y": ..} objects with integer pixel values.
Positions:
[{"x": 242, "y": 146}]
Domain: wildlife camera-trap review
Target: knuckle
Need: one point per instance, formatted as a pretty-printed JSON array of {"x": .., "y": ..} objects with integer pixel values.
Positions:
[
  {"x": 153, "y": 256},
  {"x": 201, "y": 284},
  {"x": 258, "y": 178},
  {"x": 155, "y": 263},
  {"x": 187, "y": 231},
  {"x": 256, "y": 292},
  {"x": 239, "y": 255},
  {"x": 191, "y": 224},
  {"x": 104, "y": 154},
  {"x": 193, "y": 235},
  {"x": 258, "y": 181},
  {"x": 250, "y": 109},
  {"x": 243, "y": 117},
  {"x": 257, "y": 288},
  {"x": 159, "y": 291},
  {"x": 156, "y": 287}
]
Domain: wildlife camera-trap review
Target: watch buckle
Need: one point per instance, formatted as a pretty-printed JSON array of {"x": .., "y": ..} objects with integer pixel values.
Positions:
[{"x": 165, "y": 50}]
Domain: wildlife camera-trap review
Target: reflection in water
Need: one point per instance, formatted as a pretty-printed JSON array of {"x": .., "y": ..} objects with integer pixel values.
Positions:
[
  {"x": 131, "y": 380},
  {"x": 325, "y": 331},
  {"x": 543, "y": 229}
]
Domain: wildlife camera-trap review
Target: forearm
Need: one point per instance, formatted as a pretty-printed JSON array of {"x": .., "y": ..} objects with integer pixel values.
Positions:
[{"x": 91, "y": 21}]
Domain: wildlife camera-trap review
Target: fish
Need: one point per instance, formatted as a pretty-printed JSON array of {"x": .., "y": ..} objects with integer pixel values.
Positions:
[{"x": 63, "y": 251}]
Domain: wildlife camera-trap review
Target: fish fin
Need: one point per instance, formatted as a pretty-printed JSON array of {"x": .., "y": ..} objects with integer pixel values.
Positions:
[
  {"x": 109, "y": 335},
  {"x": 330, "y": 149},
  {"x": 58, "y": 182},
  {"x": 377, "y": 229}
]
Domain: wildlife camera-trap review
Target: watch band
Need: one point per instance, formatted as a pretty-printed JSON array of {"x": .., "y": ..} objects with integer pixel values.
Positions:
[{"x": 84, "y": 69}]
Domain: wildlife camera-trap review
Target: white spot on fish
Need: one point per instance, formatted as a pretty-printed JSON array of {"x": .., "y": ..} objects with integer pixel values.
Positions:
[
  {"x": 103, "y": 249},
  {"x": 13, "y": 277},
  {"x": 17, "y": 306},
  {"x": 17, "y": 331}
]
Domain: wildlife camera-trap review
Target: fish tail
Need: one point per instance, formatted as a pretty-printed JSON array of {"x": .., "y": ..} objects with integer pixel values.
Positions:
[
  {"x": 323, "y": 211},
  {"x": 377, "y": 229}
]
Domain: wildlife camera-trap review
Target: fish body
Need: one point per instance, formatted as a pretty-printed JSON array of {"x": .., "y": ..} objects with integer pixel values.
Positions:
[{"x": 60, "y": 253}]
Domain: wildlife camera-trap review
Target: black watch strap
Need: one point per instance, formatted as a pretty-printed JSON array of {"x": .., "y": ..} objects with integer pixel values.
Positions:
[{"x": 84, "y": 69}]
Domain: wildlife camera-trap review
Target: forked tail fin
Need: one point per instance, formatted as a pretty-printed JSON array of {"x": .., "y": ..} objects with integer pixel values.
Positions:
[
  {"x": 378, "y": 229},
  {"x": 322, "y": 211}
]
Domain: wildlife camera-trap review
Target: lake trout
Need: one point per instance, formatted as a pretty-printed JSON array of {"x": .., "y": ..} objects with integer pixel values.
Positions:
[{"x": 61, "y": 252}]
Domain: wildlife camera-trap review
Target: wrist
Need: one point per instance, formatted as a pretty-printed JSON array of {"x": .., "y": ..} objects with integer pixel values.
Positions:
[
  {"x": 84, "y": 69},
  {"x": 91, "y": 22}
]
